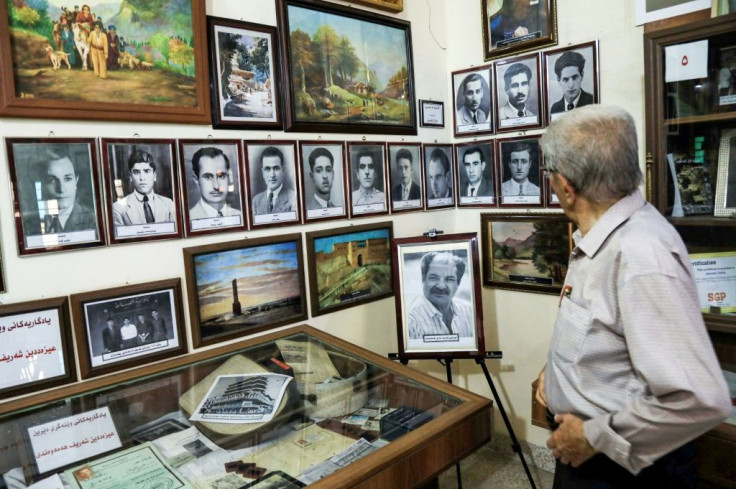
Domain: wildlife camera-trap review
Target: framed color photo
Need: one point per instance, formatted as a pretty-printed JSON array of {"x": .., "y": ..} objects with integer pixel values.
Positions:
[
  {"x": 323, "y": 177},
  {"x": 439, "y": 174},
  {"x": 128, "y": 326},
  {"x": 519, "y": 169},
  {"x": 405, "y": 176},
  {"x": 518, "y": 97},
  {"x": 142, "y": 189},
  {"x": 517, "y": 26},
  {"x": 48, "y": 77},
  {"x": 56, "y": 198},
  {"x": 438, "y": 301},
  {"x": 368, "y": 194},
  {"x": 243, "y": 287},
  {"x": 326, "y": 48},
  {"x": 527, "y": 252},
  {"x": 725, "y": 205},
  {"x": 475, "y": 174},
  {"x": 472, "y": 102},
  {"x": 432, "y": 114},
  {"x": 651, "y": 10},
  {"x": 272, "y": 182},
  {"x": 212, "y": 185},
  {"x": 244, "y": 68},
  {"x": 349, "y": 266},
  {"x": 571, "y": 78},
  {"x": 36, "y": 351}
]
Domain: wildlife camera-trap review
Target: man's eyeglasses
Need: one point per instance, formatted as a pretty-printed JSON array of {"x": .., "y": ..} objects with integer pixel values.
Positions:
[{"x": 547, "y": 171}]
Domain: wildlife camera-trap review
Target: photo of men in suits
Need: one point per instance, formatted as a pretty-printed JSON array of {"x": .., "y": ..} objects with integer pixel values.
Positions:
[
  {"x": 571, "y": 77},
  {"x": 272, "y": 183},
  {"x": 405, "y": 176}
]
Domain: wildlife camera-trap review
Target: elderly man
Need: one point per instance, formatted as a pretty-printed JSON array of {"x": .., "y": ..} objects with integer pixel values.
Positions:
[
  {"x": 142, "y": 205},
  {"x": 211, "y": 169},
  {"x": 631, "y": 377},
  {"x": 276, "y": 199}
]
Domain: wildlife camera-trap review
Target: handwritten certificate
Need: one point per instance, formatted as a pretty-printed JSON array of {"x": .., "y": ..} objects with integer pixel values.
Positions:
[
  {"x": 68, "y": 440},
  {"x": 139, "y": 467}
]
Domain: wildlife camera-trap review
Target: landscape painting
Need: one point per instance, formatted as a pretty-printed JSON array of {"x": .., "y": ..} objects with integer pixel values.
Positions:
[
  {"x": 527, "y": 252},
  {"x": 243, "y": 287},
  {"x": 347, "y": 70},
  {"x": 112, "y": 59}
]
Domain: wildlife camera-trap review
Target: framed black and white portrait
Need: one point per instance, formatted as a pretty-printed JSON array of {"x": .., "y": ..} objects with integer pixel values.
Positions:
[
  {"x": 438, "y": 301},
  {"x": 519, "y": 168},
  {"x": 323, "y": 180},
  {"x": 273, "y": 185},
  {"x": 472, "y": 90},
  {"x": 56, "y": 198},
  {"x": 476, "y": 182},
  {"x": 518, "y": 96},
  {"x": 405, "y": 176},
  {"x": 368, "y": 193},
  {"x": 142, "y": 189},
  {"x": 570, "y": 78},
  {"x": 439, "y": 176},
  {"x": 212, "y": 185}
]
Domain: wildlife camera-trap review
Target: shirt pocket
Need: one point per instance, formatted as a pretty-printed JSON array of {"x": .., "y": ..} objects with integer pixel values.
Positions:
[{"x": 571, "y": 328}]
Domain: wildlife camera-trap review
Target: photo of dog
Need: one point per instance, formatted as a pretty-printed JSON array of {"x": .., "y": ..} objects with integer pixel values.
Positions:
[{"x": 57, "y": 57}]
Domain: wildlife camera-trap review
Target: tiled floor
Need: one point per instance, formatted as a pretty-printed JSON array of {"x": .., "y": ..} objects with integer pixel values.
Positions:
[{"x": 487, "y": 468}]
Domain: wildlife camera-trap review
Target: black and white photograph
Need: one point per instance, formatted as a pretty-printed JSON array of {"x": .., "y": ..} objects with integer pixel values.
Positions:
[
  {"x": 157, "y": 429},
  {"x": 57, "y": 202},
  {"x": 472, "y": 89},
  {"x": 438, "y": 303},
  {"x": 518, "y": 97},
  {"x": 272, "y": 183},
  {"x": 476, "y": 183},
  {"x": 142, "y": 189},
  {"x": 323, "y": 179},
  {"x": 571, "y": 78},
  {"x": 439, "y": 176},
  {"x": 212, "y": 185},
  {"x": 519, "y": 165},
  {"x": 405, "y": 176},
  {"x": 126, "y": 326},
  {"x": 367, "y": 179}
]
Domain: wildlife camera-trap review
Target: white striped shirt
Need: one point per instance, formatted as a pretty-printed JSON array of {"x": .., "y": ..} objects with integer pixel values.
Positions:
[{"x": 425, "y": 319}]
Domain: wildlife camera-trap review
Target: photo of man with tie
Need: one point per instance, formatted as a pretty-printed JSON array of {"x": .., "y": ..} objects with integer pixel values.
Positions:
[
  {"x": 517, "y": 93},
  {"x": 475, "y": 173},
  {"x": 571, "y": 78},
  {"x": 271, "y": 176},
  {"x": 472, "y": 101},
  {"x": 405, "y": 176},
  {"x": 520, "y": 171},
  {"x": 324, "y": 180}
]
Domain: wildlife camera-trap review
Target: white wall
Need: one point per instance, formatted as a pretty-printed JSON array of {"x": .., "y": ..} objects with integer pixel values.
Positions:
[{"x": 446, "y": 37}]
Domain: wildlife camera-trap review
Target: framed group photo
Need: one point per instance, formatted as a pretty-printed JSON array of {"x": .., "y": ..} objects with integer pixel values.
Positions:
[
  {"x": 56, "y": 199},
  {"x": 476, "y": 180},
  {"x": 519, "y": 170},
  {"x": 323, "y": 179},
  {"x": 438, "y": 301},
  {"x": 367, "y": 181},
  {"x": 128, "y": 326},
  {"x": 472, "y": 90},
  {"x": 518, "y": 96},
  {"x": 571, "y": 78},
  {"x": 405, "y": 176},
  {"x": 273, "y": 185},
  {"x": 517, "y": 26},
  {"x": 439, "y": 175}
]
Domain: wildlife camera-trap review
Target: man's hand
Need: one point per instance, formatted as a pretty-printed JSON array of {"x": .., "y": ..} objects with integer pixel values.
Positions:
[
  {"x": 568, "y": 442},
  {"x": 540, "y": 395}
]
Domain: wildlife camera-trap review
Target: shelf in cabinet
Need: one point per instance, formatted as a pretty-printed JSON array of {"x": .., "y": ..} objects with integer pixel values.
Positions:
[
  {"x": 695, "y": 119},
  {"x": 701, "y": 221}
]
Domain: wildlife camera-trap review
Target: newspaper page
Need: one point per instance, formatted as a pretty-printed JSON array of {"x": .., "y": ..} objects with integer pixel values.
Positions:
[{"x": 310, "y": 361}]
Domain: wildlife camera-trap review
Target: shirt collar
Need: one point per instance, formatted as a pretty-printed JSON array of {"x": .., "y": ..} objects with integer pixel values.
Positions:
[
  {"x": 211, "y": 211},
  {"x": 139, "y": 196},
  {"x": 436, "y": 312},
  {"x": 275, "y": 192},
  {"x": 320, "y": 200}
]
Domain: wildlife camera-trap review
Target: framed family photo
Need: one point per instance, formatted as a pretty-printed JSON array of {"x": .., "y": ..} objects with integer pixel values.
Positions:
[
  {"x": 56, "y": 195},
  {"x": 431, "y": 113},
  {"x": 527, "y": 252},
  {"x": 330, "y": 92},
  {"x": 476, "y": 178},
  {"x": 367, "y": 182},
  {"x": 36, "y": 351},
  {"x": 519, "y": 169},
  {"x": 349, "y": 266},
  {"x": 244, "y": 69},
  {"x": 473, "y": 101},
  {"x": 405, "y": 176},
  {"x": 273, "y": 185},
  {"x": 128, "y": 326},
  {"x": 141, "y": 180},
  {"x": 518, "y": 96},
  {"x": 517, "y": 26},
  {"x": 323, "y": 179},
  {"x": 725, "y": 202},
  {"x": 438, "y": 301},
  {"x": 571, "y": 78},
  {"x": 243, "y": 287},
  {"x": 439, "y": 174},
  {"x": 212, "y": 185}
]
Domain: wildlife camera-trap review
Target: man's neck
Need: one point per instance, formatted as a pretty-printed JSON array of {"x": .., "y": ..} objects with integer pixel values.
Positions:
[{"x": 586, "y": 213}]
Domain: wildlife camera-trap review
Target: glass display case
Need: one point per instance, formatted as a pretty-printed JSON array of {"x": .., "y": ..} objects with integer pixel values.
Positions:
[{"x": 294, "y": 408}]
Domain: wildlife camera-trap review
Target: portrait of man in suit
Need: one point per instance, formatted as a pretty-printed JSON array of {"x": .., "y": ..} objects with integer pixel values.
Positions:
[
  {"x": 323, "y": 178},
  {"x": 517, "y": 93},
  {"x": 277, "y": 198},
  {"x": 570, "y": 84},
  {"x": 405, "y": 175},
  {"x": 368, "y": 174},
  {"x": 272, "y": 180},
  {"x": 521, "y": 169},
  {"x": 476, "y": 174},
  {"x": 473, "y": 101}
]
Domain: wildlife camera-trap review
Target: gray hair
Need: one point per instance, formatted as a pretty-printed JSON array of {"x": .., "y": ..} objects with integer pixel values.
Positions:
[{"x": 595, "y": 148}]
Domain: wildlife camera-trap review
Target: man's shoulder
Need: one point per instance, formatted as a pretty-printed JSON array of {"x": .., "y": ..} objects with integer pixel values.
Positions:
[
  {"x": 585, "y": 98},
  {"x": 558, "y": 106}
]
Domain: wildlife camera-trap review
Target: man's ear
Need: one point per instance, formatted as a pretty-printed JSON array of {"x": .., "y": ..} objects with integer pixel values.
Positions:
[{"x": 569, "y": 193}]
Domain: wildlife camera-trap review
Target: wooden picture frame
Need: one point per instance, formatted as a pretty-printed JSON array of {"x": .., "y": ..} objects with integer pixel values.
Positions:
[
  {"x": 324, "y": 180},
  {"x": 37, "y": 351},
  {"x": 431, "y": 113},
  {"x": 510, "y": 27},
  {"x": 725, "y": 202},
  {"x": 349, "y": 266},
  {"x": 212, "y": 185},
  {"x": 368, "y": 191},
  {"x": 571, "y": 78},
  {"x": 472, "y": 106},
  {"x": 519, "y": 169},
  {"x": 649, "y": 12},
  {"x": 276, "y": 294},
  {"x": 475, "y": 168},
  {"x": 56, "y": 196},
  {"x": 405, "y": 162},
  {"x": 512, "y": 256},
  {"x": 433, "y": 273},
  {"x": 139, "y": 172},
  {"x": 248, "y": 97},
  {"x": 439, "y": 173},
  {"x": 318, "y": 99},
  {"x": 151, "y": 315},
  {"x": 394, "y": 6},
  {"x": 168, "y": 83},
  {"x": 518, "y": 98}
]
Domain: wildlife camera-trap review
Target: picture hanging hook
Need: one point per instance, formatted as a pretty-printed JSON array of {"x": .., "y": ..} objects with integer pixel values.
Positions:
[
  {"x": 364, "y": 138},
  {"x": 432, "y": 233},
  {"x": 51, "y": 134},
  {"x": 136, "y": 135}
]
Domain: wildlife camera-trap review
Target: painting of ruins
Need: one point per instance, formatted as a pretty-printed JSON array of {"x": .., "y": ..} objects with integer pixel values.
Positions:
[
  {"x": 242, "y": 287},
  {"x": 349, "y": 266},
  {"x": 346, "y": 69}
]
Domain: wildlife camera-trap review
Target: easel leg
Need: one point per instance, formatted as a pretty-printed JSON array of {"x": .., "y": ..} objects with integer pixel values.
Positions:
[
  {"x": 514, "y": 443},
  {"x": 448, "y": 368}
]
